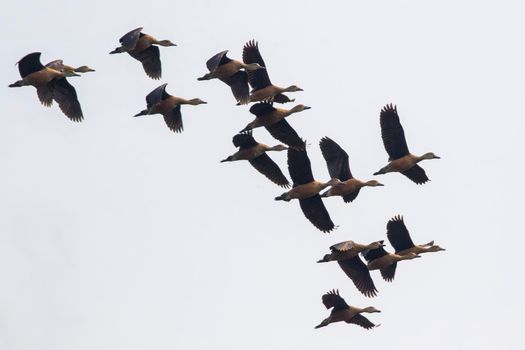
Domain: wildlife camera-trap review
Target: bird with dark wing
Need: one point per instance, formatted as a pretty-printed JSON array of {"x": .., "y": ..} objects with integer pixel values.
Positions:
[
  {"x": 341, "y": 311},
  {"x": 255, "y": 153},
  {"x": 347, "y": 256},
  {"x": 160, "y": 102},
  {"x": 230, "y": 72},
  {"x": 337, "y": 162},
  {"x": 400, "y": 159},
  {"x": 142, "y": 47},
  {"x": 306, "y": 190},
  {"x": 273, "y": 120},
  {"x": 399, "y": 238},
  {"x": 50, "y": 84},
  {"x": 262, "y": 87}
]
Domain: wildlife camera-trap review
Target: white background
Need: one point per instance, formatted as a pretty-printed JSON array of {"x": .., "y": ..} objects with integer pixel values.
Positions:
[{"x": 119, "y": 234}]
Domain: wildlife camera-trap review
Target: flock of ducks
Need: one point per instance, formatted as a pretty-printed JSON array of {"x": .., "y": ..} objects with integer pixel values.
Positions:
[{"x": 51, "y": 83}]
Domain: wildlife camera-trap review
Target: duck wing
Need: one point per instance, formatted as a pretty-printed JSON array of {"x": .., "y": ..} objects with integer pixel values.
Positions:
[
  {"x": 217, "y": 60},
  {"x": 333, "y": 299},
  {"x": 283, "y": 132},
  {"x": 336, "y": 159},
  {"x": 392, "y": 133},
  {"x": 156, "y": 96},
  {"x": 357, "y": 271},
  {"x": 282, "y": 98},
  {"x": 244, "y": 140},
  {"x": 261, "y": 109},
  {"x": 150, "y": 59},
  {"x": 398, "y": 234},
  {"x": 362, "y": 321},
  {"x": 315, "y": 211},
  {"x": 173, "y": 120},
  {"x": 129, "y": 40},
  {"x": 266, "y": 166},
  {"x": 239, "y": 86},
  {"x": 416, "y": 174},
  {"x": 389, "y": 272},
  {"x": 299, "y": 167},
  {"x": 65, "y": 95},
  {"x": 30, "y": 63},
  {"x": 250, "y": 54}
]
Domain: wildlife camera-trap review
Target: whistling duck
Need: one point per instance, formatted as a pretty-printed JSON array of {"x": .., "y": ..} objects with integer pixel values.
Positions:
[
  {"x": 399, "y": 237},
  {"x": 347, "y": 256},
  {"x": 386, "y": 263},
  {"x": 229, "y": 71},
  {"x": 160, "y": 102},
  {"x": 263, "y": 89},
  {"x": 337, "y": 162},
  {"x": 255, "y": 153},
  {"x": 50, "y": 85},
  {"x": 141, "y": 47},
  {"x": 68, "y": 70},
  {"x": 273, "y": 120},
  {"x": 343, "y": 312},
  {"x": 306, "y": 190},
  {"x": 401, "y": 160}
]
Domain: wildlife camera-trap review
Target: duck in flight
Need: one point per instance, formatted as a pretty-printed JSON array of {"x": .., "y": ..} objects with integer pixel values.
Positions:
[
  {"x": 50, "y": 84},
  {"x": 262, "y": 87},
  {"x": 142, "y": 47},
  {"x": 256, "y": 154},
  {"x": 230, "y": 72},
  {"x": 338, "y": 166},
  {"x": 400, "y": 159}
]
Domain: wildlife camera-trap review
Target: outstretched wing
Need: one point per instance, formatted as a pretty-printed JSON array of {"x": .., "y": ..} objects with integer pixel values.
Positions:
[
  {"x": 389, "y": 272},
  {"x": 315, "y": 211},
  {"x": 283, "y": 132},
  {"x": 398, "y": 235},
  {"x": 217, "y": 60},
  {"x": 336, "y": 159},
  {"x": 66, "y": 96},
  {"x": 173, "y": 119},
  {"x": 30, "y": 63},
  {"x": 156, "y": 96},
  {"x": 362, "y": 321},
  {"x": 392, "y": 133},
  {"x": 266, "y": 166},
  {"x": 299, "y": 167},
  {"x": 129, "y": 40},
  {"x": 258, "y": 78},
  {"x": 416, "y": 174},
  {"x": 239, "y": 85},
  {"x": 357, "y": 271},
  {"x": 261, "y": 109},
  {"x": 244, "y": 140},
  {"x": 150, "y": 59},
  {"x": 333, "y": 299}
]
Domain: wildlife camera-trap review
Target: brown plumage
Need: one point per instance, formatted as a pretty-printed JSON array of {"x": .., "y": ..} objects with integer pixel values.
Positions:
[
  {"x": 273, "y": 120},
  {"x": 399, "y": 238},
  {"x": 386, "y": 263},
  {"x": 263, "y": 89},
  {"x": 141, "y": 47},
  {"x": 255, "y": 153},
  {"x": 230, "y": 72},
  {"x": 337, "y": 162},
  {"x": 50, "y": 85},
  {"x": 343, "y": 312},
  {"x": 306, "y": 190},
  {"x": 347, "y": 256},
  {"x": 401, "y": 160},
  {"x": 160, "y": 102}
]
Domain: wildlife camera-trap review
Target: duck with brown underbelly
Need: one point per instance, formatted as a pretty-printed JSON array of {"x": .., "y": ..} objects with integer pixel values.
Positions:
[
  {"x": 306, "y": 190},
  {"x": 160, "y": 102},
  {"x": 400, "y": 159}
]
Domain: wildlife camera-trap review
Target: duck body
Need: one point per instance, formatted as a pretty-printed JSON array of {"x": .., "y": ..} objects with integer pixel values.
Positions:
[
  {"x": 400, "y": 159},
  {"x": 160, "y": 102},
  {"x": 263, "y": 89},
  {"x": 303, "y": 191},
  {"x": 342, "y": 312},
  {"x": 142, "y": 47},
  {"x": 256, "y": 154}
]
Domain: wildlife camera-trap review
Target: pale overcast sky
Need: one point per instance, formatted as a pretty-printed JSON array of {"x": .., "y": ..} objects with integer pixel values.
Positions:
[{"x": 116, "y": 233}]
